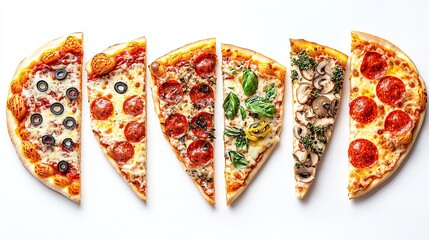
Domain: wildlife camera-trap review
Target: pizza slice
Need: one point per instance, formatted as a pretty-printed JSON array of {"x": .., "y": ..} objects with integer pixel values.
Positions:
[
  {"x": 253, "y": 91},
  {"x": 44, "y": 114},
  {"x": 117, "y": 97},
  {"x": 183, "y": 91},
  {"x": 387, "y": 108},
  {"x": 317, "y": 74}
]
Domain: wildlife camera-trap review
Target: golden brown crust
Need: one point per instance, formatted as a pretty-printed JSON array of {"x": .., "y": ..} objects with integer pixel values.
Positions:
[
  {"x": 314, "y": 49},
  {"x": 25, "y": 152},
  {"x": 158, "y": 68},
  {"x": 365, "y": 38},
  {"x": 103, "y": 63},
  {"x": 264, "y": 65}
]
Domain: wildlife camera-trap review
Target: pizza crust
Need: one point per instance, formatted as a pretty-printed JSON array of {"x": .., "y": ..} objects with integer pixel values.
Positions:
[
  {"x": 386, "y": 44},
  {"x": 314, "y": 49},
  {"x": 12, "y": 123}
]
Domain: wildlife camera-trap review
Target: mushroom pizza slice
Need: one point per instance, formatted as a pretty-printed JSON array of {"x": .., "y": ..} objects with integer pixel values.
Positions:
[
  {"x": 44, "y": 114},
  {"x": 253, "y": 90},
  {"x": 317, "y": 74},
  {"x": 117, "y": 97}
]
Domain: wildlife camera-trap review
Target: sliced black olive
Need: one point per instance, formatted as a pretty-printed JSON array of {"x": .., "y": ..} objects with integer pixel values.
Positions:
[
  {"x": 63, "y": 166},
  {"x": 68, "y": 143},
  {"x": 121, "y": 87},
  {"x": 42, "y": 86},
  {"x": 48, "y": 140},
  {"x": 69, "y": 122},
  {"x": 60, "y": 74},
  {"x": 57, "y": 108},
  {"x": 36, "y": 119},
  {"x": 72, "y": 93}
]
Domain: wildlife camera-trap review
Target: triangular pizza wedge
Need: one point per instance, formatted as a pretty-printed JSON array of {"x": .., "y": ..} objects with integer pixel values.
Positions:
[
  {"x": 117, "y": 97},
  {"x": 183, "y": 91},
  {"x": 44, "y": 114},
  {"x": 387, "y": 108},
  {"x": 253, "y": 92},
  {"x": 317, "y": 74}
]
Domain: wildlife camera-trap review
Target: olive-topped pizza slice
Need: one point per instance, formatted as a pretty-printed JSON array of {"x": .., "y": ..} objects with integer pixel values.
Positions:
[
  {"x": 253, "y": 91},
  {"x": 183, "y": 90},
  {"x": 317, "y": 74},
  {"x": 44, "y": 114},
  {"x": 117, "y": 96}
]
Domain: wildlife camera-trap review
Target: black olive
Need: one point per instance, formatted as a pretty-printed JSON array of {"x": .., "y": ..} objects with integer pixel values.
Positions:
[
  {"x": 204, "y": 89},
  {"x": 42, "y": 86},
  {"x": 121, "y": 87},
  {"x": 36, "y": 119},
  {"x": 63, "y": 166},
  {"x": 60, "y": 74},
  {"x": 68, "y": 143},
  {"x": 48, "y": 140},
  {"x": 69, "y": 122},
  {"x": 72, "y": 93},
  {"x": 57, "y": 108}
]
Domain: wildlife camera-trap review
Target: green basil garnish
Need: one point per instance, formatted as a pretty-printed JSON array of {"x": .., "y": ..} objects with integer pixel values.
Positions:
[
  {"x": 230, "y": 105},
  {"x": 242, "y": 113},
  {"x": 271, "y": 92},
  {"x": 237, "y": 159},
  {"x": 250, "y": 82},
  {"x": 241, "y": 142},
  {"x": 233, "y": 132},
  {"x": 260, "y": 106}
]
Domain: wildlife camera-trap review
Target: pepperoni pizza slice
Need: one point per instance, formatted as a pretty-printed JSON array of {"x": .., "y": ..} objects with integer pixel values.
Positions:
[
  {"x": 44, "y": 114},
  {"x": 183, "y": 90},
  {"x": 253, "y": 89},
  {"x": 317, "y": 74},
  {"x": 387, "y": 109},
  {"x": 117, "y": 97}
]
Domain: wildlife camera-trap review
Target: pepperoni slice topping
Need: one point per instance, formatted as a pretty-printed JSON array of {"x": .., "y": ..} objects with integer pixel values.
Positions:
[
  {"x": 122, "y": 152},
  {"x": 362, "y": 153},
  {"x": 133, "y": 106},
  {"x": 201, "y": 95},
  {"x": 205, "y": 65},
  {"x": 390, "y": 90},
  {"x": 363, "y": 109},
  {"x": 171, "y": 92},
  {"x": 200, "y": 152},
  {"x": 101, "y": 108},
  {"x": 202, "y": 124},
  {"x": 135, "y": 131},
  {"x": 398, "y": 122},
  {"x": 373, "y": 65},
  {"x": 176, "y": 125}
]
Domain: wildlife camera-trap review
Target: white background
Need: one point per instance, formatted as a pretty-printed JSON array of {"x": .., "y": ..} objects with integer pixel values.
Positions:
[{"x": 268, "y": 209}]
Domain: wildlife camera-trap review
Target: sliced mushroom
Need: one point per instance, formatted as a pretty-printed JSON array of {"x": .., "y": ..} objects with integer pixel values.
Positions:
[
  {"x": 303, "y": 92},
  {"x": 300, "y": 118},
  {"x": 333, "y": 107},
  {"x": 324, "y": 122},
  {"x": 328, "y": 86},
  {"x": 328, "y": 132},
  {"x": 305, "y": 174},
  {"x": 304, "y": 115},
  {"x": 299, "y": 131},
  {"x": 321, "y": 67},
  {"x": 300, "y": 156},
  {"x": 329, "y": 68},
  {"x": 308, "y": 74},
  {"x": 319, "y": 81},
  {"x": 321, "y": 105},
  {"x": 309, "y": 113}
]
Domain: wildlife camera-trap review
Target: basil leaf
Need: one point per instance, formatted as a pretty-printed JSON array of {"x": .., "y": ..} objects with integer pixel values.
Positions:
[
  {"x": 241, "y": 142},
  {"x": 260, "y": 106},
  {"x": 237, "y": 159},
  {"x": 242, "y": 113},
  {"x": 250, "y": 82},
  {"x": 271, "y": 92},
  {"x": 233, "y": 131},
  {"x": 230, "y": 105}
]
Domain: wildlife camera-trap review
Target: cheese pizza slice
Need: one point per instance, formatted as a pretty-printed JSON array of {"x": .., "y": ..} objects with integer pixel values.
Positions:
[
  {"x": 387, "y": 108},
  {"x": 117, "y": 96},
  {"x": 253, "y": 91},
  {"x": 183, "y": 91},
  {"x": 317, "y": 74},
  {"x": 44, "y": 114}
]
